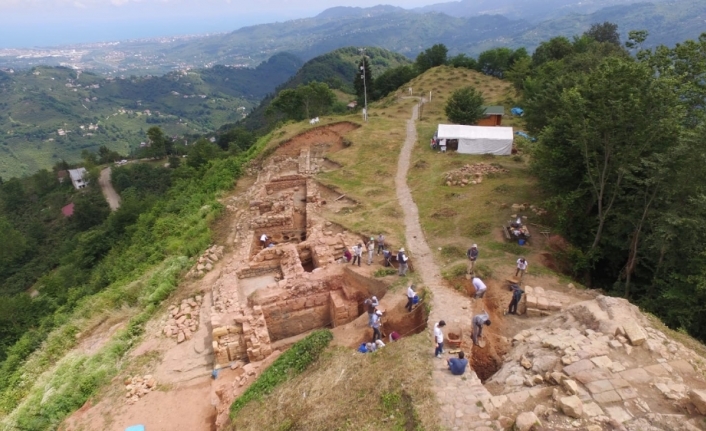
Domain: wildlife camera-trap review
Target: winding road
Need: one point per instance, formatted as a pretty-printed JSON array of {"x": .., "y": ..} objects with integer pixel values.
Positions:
[{"x": 109, "y": 192}]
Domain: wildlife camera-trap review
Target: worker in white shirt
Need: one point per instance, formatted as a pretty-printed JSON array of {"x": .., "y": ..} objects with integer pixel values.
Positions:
[
  {"x": 439, "y": 338},
  {"x": 521, "y": 267},
  {"x": 263, "y": 240},
  {"x": 410, "y": 297},
  {"x": 479, "y": 286}
]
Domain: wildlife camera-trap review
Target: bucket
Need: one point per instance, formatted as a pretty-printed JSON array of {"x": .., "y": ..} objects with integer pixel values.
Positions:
[
  {"x": 415, "y": 300},
  {"x": 521, "y": 242}
]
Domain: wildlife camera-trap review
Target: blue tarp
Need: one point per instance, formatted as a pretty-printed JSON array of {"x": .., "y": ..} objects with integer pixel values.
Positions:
[
  {"x": 517, "y": 111},
  {"x": 526, "y": 136}
]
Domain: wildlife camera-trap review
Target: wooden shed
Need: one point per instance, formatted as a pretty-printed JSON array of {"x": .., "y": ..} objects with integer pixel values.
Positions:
[{"x": 493, "y": 116}]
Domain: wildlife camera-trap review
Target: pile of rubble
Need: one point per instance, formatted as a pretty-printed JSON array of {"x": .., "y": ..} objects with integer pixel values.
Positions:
[
  {"x": 206, "y": 261},
  {"x": 524, "y": 207},
  {"x": 471, "y": 174},
  {"x": 138, "y": 386},
  {"x": 596, "y": 366},
  {"x": 184, "y": 319}
]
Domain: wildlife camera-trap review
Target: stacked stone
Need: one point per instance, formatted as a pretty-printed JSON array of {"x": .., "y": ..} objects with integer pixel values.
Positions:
[
  {"x": 184, "y": 319},
  {"x": 274, "y": 221},
  {"x": 290, "y": 263},
  {"x": 206, "y": 261},
  {"x": 471, "y": 174},
  {"x": 138, "y": 386},
  {"x": 536, "y": 302},
  {"x": 341, "y": 309},
  {"x": 244, "y": 337}
]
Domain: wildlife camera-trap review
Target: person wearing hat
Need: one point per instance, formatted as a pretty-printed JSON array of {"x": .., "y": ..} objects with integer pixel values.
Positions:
[
  {"x": 472, "y": 255},
  {"x": 357, "y": 253},
  {"x": 439, "y": 338},
  {"x": 521, "y": 267},
  {"x": 479, "y": 321},
  {"x": 402, "y": 259},
  {"x": 376, "y": 325},
  {"x": 410, "y": 297},
  {"x": 371, "y": 250}
]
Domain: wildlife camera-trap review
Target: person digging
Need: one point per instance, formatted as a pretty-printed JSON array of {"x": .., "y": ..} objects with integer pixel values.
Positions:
[
  {"x": 479, "y": 321},
  {"x": 472, "y": 255}
]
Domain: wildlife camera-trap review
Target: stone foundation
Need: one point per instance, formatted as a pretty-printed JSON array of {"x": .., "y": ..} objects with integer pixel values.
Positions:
[{"x": 308, "y": 289}]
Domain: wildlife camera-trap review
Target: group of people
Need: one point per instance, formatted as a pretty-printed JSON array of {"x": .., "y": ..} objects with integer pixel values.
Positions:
[
  {"x": 457, "y": 366},
  {"x": 472, "y": 255},
  {"x": 370, "y": 246},
  {"x": 375, "y": 322}
]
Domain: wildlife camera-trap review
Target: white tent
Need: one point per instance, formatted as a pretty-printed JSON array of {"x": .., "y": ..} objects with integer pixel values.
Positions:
[{"x": 478, "y": 139}]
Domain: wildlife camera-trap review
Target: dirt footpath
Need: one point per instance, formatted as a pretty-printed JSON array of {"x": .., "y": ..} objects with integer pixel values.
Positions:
[{"x": 111, "y": 196}]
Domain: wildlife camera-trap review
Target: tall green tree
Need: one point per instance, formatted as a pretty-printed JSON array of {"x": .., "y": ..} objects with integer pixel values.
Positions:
[
  {"x": 392, "y": 79},
  {"x": 431, "y": 57},
  {"x": 604, "y": 32},
  {"x": 554, "y": 49},
  {"x": 465, "y": 106},
  {"x": 158, "y": 142},
  {"x": 306, "y": 101}
]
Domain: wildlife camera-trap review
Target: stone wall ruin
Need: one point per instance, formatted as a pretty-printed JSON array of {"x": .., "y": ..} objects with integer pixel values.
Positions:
[{"x": 271, "y": 294}]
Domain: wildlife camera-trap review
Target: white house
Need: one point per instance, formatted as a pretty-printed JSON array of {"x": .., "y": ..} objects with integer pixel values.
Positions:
[
  {"x": 77, "y": 177},
  {"x": 476, "y": 139}
]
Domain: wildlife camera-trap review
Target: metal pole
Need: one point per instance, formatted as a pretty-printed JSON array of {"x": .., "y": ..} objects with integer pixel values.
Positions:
[{"x": 365, "y": 87}]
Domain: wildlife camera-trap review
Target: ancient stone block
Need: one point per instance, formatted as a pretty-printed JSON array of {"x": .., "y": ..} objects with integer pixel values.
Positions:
[
  {"x": 571, "y": 406},
  {"x": 634, "y": 333}
]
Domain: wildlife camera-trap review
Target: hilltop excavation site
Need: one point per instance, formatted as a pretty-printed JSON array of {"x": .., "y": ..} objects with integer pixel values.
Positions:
[{"x": 571, "y": 359}]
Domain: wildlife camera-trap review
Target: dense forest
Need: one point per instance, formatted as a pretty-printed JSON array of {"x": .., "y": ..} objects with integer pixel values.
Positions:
[{"x": 621, "y": 155}]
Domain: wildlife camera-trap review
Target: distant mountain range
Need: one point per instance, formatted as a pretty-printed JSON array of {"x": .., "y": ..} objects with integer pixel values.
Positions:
[{"x": 467, "y": 26}]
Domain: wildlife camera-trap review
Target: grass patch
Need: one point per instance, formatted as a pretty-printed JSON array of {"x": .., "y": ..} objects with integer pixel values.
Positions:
[
  {"x": 384, "y": 272},
  {"x": 397, "y": 406},
  {"x": 508, "y": 247},
  {"x": 291, "y": 363},
  {"x": 455, "y": 271},
  {"x": 346, "y": 390},
  {"x": 453, "y": 252},
  {"x": 480, "y": 229}
]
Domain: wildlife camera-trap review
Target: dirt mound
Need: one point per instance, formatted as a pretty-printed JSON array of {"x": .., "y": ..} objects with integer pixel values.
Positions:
[{"x": 329, "y": 136}]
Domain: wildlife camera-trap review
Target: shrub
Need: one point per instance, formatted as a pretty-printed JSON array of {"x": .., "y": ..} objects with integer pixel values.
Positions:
[
  {"x": 290, "y": 363},
  {"x": 458, "y": 270},
  {"x": 384, "y": 272}
]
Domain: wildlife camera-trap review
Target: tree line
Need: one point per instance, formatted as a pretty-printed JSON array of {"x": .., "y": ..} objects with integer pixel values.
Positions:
[{"x": 620, "y": 154}]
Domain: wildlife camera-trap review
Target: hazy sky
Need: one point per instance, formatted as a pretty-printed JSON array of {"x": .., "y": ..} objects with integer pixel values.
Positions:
[{"x": 25, "y": 23}]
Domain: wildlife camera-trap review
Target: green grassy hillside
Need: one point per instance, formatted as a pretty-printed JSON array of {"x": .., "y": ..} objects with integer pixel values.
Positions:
[
  {"x": 337, "y": 69},
  {"x": 50, "y": 114}
]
